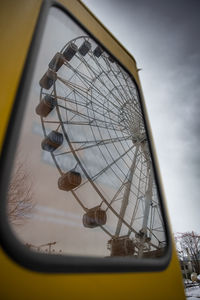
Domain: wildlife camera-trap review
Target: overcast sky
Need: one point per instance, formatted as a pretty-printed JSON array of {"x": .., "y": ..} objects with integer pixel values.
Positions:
[{"x": 163, "y": 36}]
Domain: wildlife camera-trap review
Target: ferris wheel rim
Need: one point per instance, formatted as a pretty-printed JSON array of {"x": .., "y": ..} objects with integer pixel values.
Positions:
[
  {"x": 73, "y": 151},
  {"x": 93, "y": 184}
]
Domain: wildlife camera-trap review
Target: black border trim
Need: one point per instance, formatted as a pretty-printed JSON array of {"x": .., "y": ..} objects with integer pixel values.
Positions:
[{"x": 55, "y": 263}]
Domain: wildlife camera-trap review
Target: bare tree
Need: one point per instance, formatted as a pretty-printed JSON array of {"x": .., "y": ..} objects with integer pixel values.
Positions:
[
  {"x": 20, "y": 194},
  {"x": 188, "y": 247}
]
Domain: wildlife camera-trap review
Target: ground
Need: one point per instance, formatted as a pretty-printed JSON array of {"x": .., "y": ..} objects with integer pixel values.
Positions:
[{"x": 193, "y": 293}]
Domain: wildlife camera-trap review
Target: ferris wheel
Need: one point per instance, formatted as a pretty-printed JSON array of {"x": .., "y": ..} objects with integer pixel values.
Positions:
[{"x": 93, "y": 127}]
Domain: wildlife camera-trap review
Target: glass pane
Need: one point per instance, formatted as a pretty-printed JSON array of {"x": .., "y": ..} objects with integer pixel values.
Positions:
[{"x": 83, "y": 181}]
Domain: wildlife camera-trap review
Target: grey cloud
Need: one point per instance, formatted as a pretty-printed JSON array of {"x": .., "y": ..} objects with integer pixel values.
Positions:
[{"x": 163, "y": 36}]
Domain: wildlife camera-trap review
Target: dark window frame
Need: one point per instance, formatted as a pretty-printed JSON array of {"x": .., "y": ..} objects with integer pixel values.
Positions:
[{"x": 53, "y": 263}]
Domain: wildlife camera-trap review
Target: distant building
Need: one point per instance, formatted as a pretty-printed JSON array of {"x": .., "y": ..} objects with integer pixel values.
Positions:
[{"x": 188, "y": 266}]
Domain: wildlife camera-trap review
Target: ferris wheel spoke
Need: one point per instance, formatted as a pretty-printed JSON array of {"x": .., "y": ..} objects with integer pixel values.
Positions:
[
  {"x": 127, "y": 83},
  {"x": 152, "y": 233},
  {"x": 84, "y": 79},
  {"x": 127, "y": 96},
  {"x": 105, "y": 96},
  {"x": 90, "y": 67},
  {"x": 93, "y": 144},
  {"x": 102, "y": 142},
  {"x": 116, "y": 173},
  {"x": 88, "y": 179},
  {"x": 106, "y": 231},
  {"x": 89, "y": 124},
  {"x": 72, "y": 85},
  {"x": 79, "y": 201},
  {"x": 87, "y": 105},
  {"x": 101, "y": 68},
  {"x": 89, "y": 71},
  {"x": 158, "y": 229},
  {"x": 115, "y": 87},
  {"x": 137, "y": 107},
  {"x": 109, "y": 152},
  {"x": 124, "y": 96},
  {"x": 100, "y": 134},
  {"x": 67, "y": 64},
  {"x": 85, "y": 96},
  {"x": 99, "y": 113},
  {"x": 116, "y": 131},
  {"x": 85, "y": 116},
  {"x": 98, "y": 122},
  {"x": 94, "y": 73},
  {"x": 78, "y": 123},
  {"x": 51, "y": 122},
  {"x": 75, "y": 112},
  {"x": 111, "y": 164},
  {"x": 98, "y": 91},
  {"x": 87, "y": 102},
  {"x": 115, "y": 197},
  {"x": 99, "y": 79},
  {"x": 77, "y": 71},
  {"x": 109, "y": 89}
]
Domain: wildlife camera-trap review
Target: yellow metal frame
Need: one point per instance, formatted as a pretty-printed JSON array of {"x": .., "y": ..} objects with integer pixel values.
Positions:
[{"x": 18, "y": 20}]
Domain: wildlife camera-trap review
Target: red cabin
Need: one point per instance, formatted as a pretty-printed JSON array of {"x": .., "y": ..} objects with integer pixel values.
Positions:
[
  {"x": 98, "y": 51},
  {"x": 52, "y": 141},
  {"x": 94, "y": 217},
  {"x": 84, "y": 48},
  {"x": 69, "y": 181},
  {"x": 56, "y": 62},
  {"x": 46, "y": 105},
  {"x": 121, "y": 246},
  {"x": 48, "y": 79},
  {"x": 70, "y": 51}
]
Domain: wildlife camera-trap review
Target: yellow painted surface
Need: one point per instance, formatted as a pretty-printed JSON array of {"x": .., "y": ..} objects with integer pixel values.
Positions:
[
  {"x": 18, "y": 283},
  {"x": 17, "y": 23}
]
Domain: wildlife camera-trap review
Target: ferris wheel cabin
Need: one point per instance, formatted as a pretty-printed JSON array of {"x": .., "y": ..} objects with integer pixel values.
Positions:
[{"x": 46, "y": 105}]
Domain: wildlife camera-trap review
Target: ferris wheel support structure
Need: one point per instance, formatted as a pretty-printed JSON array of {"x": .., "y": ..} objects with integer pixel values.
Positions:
[
  {"x": 148, "y": 200},
  {"x": 126, "y": 193}
]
